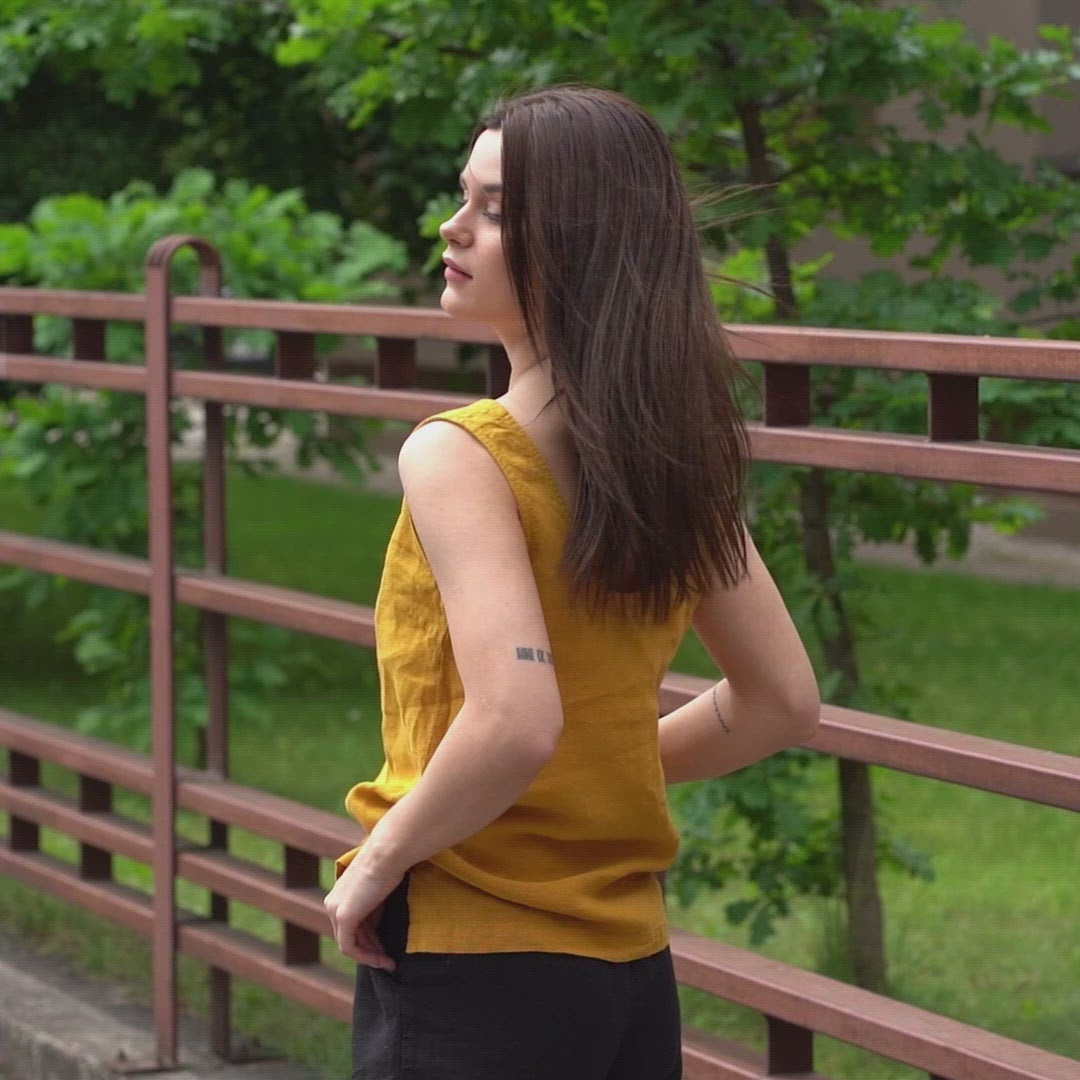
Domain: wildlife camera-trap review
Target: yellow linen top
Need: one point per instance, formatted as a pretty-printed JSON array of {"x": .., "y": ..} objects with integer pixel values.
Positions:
[{"x": 571, "y": 866}]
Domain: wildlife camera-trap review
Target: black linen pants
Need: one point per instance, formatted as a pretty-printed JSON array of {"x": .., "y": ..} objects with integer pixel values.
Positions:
[{"x": 512, "y": 1016}]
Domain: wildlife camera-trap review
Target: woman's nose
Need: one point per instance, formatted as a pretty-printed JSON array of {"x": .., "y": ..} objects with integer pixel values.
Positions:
[{"x": 454, "y": 229}]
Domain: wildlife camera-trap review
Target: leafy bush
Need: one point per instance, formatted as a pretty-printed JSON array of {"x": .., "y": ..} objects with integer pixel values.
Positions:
[{"x": 81, "y": 454}]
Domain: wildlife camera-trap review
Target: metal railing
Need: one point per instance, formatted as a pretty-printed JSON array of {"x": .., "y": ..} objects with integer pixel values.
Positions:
[{"x": 795, "y": 1003}]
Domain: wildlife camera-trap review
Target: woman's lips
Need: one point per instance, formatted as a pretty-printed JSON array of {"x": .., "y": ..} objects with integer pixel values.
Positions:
[{"x": 453, "y": 272}]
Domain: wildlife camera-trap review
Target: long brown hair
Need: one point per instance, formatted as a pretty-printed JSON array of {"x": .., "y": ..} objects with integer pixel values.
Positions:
[{"x": 603, "y": 254}]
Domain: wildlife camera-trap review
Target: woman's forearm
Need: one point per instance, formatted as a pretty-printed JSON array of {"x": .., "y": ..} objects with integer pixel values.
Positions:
[
  {"x": 483, "y": 765},
  {"x": 720, "y": 731}
]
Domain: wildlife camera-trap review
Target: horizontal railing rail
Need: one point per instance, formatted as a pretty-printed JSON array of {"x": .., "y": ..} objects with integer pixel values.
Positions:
[
  {"x": 956, "y": 354},
  {"x": 1034, "y": 468},
  {"x": 807, "y": 1003},
  {"x": 795, "y": 1003},
  {"x": 294, "y": 896}
]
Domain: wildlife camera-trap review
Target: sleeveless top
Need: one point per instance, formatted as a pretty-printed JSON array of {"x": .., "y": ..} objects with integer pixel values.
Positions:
[{"x": 570, "y": 867}]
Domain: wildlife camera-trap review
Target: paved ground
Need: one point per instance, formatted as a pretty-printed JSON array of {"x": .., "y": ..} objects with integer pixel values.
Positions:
[
  {"x": 1037, "y": 557},
  {"x": 58, "y": 1025}
]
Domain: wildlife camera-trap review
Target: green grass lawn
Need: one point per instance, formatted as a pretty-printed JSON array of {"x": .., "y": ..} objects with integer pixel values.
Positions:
[{"x": 993, "y": 940}]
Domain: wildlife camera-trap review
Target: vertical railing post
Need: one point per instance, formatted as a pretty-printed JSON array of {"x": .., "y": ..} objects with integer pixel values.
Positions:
[
  {"x": 95, "y": 796},
  {"x": 787, "y": 395},
  {"x": 953, "y": 407},
  {"x": 24, "y": 771},
  {"x": 162, "y": 622},
  {"x": 395, "y": 363},
  {"x": 294, "y": 357},
  {"x": 215, "y": 636},
  {"x": 498, "y": 371},
  {"x": 88, "y": 339},
  {"x": 301, "y": 871},
  {"x": 790, "y": 1048},
  {"x": 17, "y": 334}
]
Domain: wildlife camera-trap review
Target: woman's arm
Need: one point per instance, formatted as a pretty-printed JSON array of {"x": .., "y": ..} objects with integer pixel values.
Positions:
[
  {"x": 466, "y": 519},
  {"x": 769, "y": 698}
]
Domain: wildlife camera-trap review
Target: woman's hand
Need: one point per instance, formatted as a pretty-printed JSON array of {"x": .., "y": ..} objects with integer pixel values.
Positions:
[{"x": 354, "y": 905}]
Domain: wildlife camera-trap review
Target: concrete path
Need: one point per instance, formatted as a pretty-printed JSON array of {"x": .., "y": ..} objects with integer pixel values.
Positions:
[
  {"x": 58, "y": 1025},
  {"x": 1026, "y": 558}
]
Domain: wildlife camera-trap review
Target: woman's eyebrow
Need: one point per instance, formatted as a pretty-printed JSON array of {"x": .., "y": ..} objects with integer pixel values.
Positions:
[{"x": 491, "y": 189}]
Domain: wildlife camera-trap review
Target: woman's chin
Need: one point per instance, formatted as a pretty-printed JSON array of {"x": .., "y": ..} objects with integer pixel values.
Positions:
[{"x": 453, "y": 304}]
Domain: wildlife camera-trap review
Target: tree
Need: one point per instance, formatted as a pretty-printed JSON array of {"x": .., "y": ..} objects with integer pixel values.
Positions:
[{"x": 778, "y": 95}]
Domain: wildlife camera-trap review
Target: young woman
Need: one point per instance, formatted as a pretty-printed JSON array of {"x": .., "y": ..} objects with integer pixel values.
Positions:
[{"x": 553, "y": 546}]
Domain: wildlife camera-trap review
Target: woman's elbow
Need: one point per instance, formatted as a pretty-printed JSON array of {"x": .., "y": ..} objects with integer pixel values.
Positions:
[
  {"x": 530, "y": 735},
  {"x": 791, "y": 709},
  {"x": 545, "y": 735},
  {"x": 802, "y": 710}
]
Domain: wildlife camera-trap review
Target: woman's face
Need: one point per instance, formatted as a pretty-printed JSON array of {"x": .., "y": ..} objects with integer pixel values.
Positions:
[{"x": 477, "y": 281}]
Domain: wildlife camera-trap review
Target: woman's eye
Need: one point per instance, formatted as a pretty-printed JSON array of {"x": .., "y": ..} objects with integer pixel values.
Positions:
[{"x": 492, "y": 215}]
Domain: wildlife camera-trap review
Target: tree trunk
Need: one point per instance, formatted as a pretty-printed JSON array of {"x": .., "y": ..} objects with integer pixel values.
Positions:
[
  {"x": 865, "y": 937},
  {"x": 866, "y": 922},
  {"x": 858, "y": 830}
]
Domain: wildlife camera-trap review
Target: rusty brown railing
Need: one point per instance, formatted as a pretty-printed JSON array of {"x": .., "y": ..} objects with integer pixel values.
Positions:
[{"x": 796, "y": 1003}]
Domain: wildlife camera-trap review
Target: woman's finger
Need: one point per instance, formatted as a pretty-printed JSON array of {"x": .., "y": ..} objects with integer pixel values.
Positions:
[
  {"x": 366, "y": 954},
  {"x": 360, "y": 943},
  {"x": 369, "y": 944}
]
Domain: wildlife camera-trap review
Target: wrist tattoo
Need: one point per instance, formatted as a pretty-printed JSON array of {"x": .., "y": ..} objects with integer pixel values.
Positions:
[
  {"x": 719, "y": 714},
  {"x": 540, "y": 655}
]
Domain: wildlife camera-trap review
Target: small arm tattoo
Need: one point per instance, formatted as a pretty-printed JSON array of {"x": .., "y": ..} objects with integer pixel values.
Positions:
[
  {"x": 719, "y": 714},
  {"x": 540, "y": 655}
]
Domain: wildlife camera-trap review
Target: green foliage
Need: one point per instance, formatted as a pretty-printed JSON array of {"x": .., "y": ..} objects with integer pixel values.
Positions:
[
  {"x": 271, "y": 245},
  {"x": 1043, "y": 413},
  {"x": 766, "y": 836},
  {"x": 81, "y": 455},
  {"x": 109, "y": 91},
  {"x": 936, "y": 518},
  {"x": 746, "y": 829},
  {"x": 882, "y": 299},
  {"x": 137, "y": 45}
]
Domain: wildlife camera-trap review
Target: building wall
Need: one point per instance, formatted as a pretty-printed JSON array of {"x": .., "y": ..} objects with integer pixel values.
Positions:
[
  {"x": 1018, "y": 21},
  {"x": 1062, "y": 145}
]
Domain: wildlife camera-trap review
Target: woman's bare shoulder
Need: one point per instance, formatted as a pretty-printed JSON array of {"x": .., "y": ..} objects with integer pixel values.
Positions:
[{"x": 443, "y": 457}]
